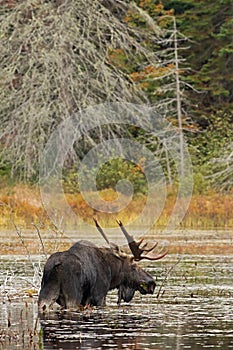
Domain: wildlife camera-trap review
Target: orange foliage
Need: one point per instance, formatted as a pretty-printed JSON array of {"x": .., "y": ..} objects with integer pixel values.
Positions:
[
  {"x": 214, "y": 210},
  {"x": 151, "y": 72},
  {"x": 117, "y": 58},
  {"x": 23, "y": 204},
  {"x": 154, "y": 10}
]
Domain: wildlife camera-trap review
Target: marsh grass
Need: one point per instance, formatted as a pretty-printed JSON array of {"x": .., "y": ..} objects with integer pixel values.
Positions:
[
  {"x": 21, "y": 207},
  {"x": 23, "y": 334},
  {"x": 22, "y": 203}
]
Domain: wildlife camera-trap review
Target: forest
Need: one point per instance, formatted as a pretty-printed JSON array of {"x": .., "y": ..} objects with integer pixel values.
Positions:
[{"x": 57, "y": 58}]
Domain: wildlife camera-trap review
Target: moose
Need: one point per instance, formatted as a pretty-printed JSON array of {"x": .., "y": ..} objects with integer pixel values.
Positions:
[{"x": 83, "y": 274}]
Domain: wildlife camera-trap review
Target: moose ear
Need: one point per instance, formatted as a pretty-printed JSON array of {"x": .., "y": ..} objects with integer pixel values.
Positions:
[
  {"x": 131, "y": 259},
  {"x": 114, "y": 247},
  {"x": 116, "y": 250}
]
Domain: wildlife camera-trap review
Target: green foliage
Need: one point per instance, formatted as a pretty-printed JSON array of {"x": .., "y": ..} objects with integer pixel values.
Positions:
[
  {"x": 4, "y": 170},
  {"x": 119, "y": 169},
  {"x": 209, "y": 26},
  {"x": 210, "y": 142},
  {"x": 206, "y": 147},
  {"x": 5, "y": 174},
  {"x": 108, "y": 175},
  {"x": 156, "y": 12},
  {"x": 200, "y": 184},
  {"x": 70, "y": 180}
]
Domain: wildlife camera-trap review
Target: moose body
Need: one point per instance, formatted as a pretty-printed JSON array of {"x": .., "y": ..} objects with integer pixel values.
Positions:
[{"x": 83, "y": 275}]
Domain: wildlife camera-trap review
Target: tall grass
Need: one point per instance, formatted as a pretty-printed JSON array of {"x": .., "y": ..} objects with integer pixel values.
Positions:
[{"x": 22, "y": 203}]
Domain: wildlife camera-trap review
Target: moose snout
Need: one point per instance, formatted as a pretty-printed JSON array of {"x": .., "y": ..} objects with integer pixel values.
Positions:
[
  {"x": 147, "y": 287},
  {"x": 151, "y": 287},
  {"x": 43, "y": 307}
]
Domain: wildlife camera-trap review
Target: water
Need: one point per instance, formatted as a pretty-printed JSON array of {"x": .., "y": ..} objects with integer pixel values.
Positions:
[{"x": 194, "y": 309}]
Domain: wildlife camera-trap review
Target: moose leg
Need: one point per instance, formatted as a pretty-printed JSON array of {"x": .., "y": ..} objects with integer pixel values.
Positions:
[{"x": 71, "y": 283}]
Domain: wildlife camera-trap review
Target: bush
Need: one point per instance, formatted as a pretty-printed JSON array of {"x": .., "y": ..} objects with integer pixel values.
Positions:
[{"x": 108, "y": 176}]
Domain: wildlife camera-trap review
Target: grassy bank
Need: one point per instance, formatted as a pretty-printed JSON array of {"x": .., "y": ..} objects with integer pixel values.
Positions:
[{"x": 22, "y": 205}]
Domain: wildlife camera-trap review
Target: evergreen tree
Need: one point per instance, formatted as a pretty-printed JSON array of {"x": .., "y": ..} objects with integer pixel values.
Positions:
[{"x": 209, "y": 26}]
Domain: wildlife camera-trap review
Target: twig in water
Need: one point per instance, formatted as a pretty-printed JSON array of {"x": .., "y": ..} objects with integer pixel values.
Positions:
[
  {"x": 166, "y": 277},
  {"x": 41, "y": 241},
  {"x": 19, "y": 233}
]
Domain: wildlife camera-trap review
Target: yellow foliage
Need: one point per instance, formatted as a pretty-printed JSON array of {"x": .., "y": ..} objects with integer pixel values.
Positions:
[{"x": 22, "y": 203}]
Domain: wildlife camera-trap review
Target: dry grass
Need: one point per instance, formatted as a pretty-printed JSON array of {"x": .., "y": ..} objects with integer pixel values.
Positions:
[
  {"x": 211, "y": 210},
  {"x": 22, "y": 204}
]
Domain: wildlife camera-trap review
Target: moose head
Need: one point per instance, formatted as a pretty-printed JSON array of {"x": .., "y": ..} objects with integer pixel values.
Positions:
[{"x": 135, "y": 278}]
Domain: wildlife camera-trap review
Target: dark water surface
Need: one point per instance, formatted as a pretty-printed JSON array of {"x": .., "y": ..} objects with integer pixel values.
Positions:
[{"x": 194, "y": 309}]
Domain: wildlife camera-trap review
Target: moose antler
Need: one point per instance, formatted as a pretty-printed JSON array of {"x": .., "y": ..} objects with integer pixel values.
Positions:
[
  {"x": 101, "y": 230},
  {"x": 138, "y": 252}
]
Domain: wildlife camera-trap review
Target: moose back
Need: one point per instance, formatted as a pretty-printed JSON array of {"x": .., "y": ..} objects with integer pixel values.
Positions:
[{"x": 83, "y": 274}]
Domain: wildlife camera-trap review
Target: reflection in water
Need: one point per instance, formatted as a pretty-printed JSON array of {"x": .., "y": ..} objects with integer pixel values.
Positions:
[
  {"x": 97, "y": 330},
  {"x": 195, "y": 324},
  {"x": 195, "y": 311}
]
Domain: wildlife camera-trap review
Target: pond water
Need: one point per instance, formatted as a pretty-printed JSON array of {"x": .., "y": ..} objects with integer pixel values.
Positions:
[{"x": 192, "y": 308}]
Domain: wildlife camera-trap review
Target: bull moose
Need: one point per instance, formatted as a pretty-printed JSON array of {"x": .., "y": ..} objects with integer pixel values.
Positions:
[{"x": 83, "y": 274}]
